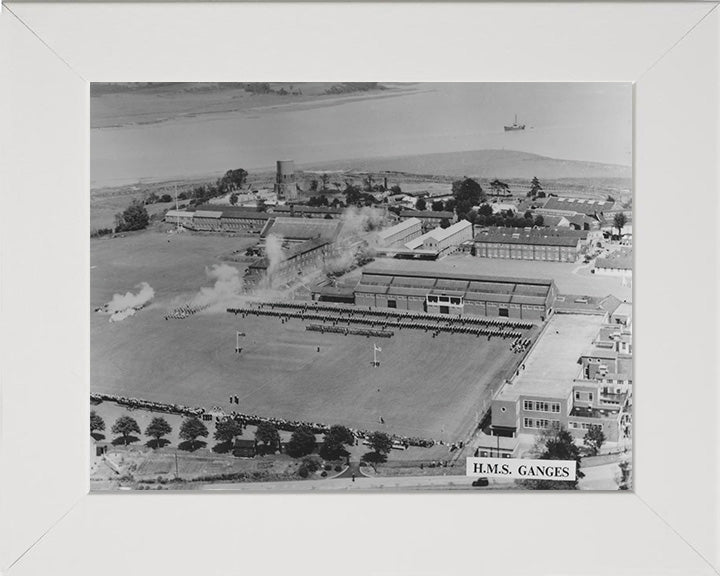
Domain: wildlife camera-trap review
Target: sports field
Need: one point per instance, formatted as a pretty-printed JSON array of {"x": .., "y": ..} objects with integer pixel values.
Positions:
[
  {"x": 425, "y": 386},
  {"x": 430, "y": 387}
]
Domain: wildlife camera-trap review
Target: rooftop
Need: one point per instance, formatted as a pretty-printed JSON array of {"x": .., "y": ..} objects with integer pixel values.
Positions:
[
  {"x": 620, "y": 260},
  {"x": 551, "y": 366},
  {"x": 587, "y": 304},
  {"x": 623, "y": 309},
  {"x": 582, "y": 205},
  {"x": 400, "y": 227},
  {"x": 305, "y": 228},
  {"x": 233, "y": 211},
  {"x": 179, "y": 214},
  {"x": 438, "y": 234},
  {"x": 426, "y": 214},
  {"x": 300, "y": 209},
  {"x": 389, "y": 268},
  {"x": 534, "y": 236},
  {"x": 208, "y": 214}
]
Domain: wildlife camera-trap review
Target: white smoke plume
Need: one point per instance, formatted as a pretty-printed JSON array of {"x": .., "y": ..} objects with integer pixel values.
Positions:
[
  {"x": 275, "y": 255},
  {"x": 357, "y": 236},
  {"x": 228, "y": 286},
  {"x": 123, "y": 305}
]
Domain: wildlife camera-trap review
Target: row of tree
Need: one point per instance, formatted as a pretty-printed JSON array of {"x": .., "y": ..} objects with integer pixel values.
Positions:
[{"x": 302, "y": 442}]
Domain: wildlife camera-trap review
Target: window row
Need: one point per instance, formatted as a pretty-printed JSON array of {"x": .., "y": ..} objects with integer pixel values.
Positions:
[
  {"x": 540, "y": 423},
  {"x": 535, "y": 406}
]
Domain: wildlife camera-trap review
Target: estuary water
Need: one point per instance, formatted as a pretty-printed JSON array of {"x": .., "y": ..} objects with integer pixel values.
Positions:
[{"x": 574, "y": 121}]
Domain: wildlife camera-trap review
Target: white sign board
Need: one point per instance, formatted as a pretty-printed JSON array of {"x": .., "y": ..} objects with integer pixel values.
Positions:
[{"x": 561, "y": 470}]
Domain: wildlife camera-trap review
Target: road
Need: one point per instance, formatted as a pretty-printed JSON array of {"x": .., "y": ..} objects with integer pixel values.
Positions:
[{"x": 346, "y": 484}]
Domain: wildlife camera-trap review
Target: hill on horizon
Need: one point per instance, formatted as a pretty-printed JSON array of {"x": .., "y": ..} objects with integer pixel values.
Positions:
[{"x": 481, "y": 163}]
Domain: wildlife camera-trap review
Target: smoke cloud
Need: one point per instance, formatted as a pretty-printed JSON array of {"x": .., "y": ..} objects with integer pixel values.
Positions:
[
  {"x": 275, "y": 255},
  {"x": 358, "y": 237},
  {"x": 124, "y": 305},
  {"x": 227, "y": 287}
]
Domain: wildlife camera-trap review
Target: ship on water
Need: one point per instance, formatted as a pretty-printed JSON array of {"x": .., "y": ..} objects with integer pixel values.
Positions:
[{"x": 515, "y": 126}]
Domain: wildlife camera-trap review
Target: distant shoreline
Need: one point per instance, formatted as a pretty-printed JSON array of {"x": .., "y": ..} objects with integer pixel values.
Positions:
[
  {"x": 372, "y": 164},
  {"x": 248, "y": 105}
]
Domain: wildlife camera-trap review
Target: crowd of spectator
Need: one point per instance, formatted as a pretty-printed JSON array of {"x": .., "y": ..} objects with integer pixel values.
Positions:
[{"x": 248, "y": 419}]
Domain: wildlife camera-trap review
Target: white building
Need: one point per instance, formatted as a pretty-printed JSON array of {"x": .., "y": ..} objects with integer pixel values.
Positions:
[
  {"x": 440, "y": 241},
  {"x": 401, "y": 233}
]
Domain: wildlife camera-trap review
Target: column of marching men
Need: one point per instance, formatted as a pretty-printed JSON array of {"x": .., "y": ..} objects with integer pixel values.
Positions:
[{"x": 435, "y": 323}]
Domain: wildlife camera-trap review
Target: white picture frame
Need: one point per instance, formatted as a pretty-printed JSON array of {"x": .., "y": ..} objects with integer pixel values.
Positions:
[{"x": 50, "y": 524}]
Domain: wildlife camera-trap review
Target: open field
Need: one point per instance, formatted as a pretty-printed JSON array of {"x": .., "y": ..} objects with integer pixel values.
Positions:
[
  {"x": 173, "y": 264},
  {"x": 425, "y": 386}
]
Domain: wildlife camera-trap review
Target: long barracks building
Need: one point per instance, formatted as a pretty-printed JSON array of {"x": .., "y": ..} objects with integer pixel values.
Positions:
[
  {"x": 455, "y": 294},
  {"x": 533, "y": 244}
]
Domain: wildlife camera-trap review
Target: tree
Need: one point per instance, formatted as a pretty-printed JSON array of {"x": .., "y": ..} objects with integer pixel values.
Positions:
[
  {"x": 485, "y": 210},
  {"x": 324, "y": 178},
  {"x": 594, "y": 439},
  {"x": 96, "y": 422},
  {"x": 380, "y": 443},
  {"x": 444, "y": 223},
  {"x": 232, "y": 180},
  {"x": 302, "y": 442},
  {"x": 421, "y": 204},
  {"x": 395, "y": 189},
  {"x": 135, "y": 217},
  {"x": 499, "y": 188},
  {"x": 619, "y": 222},
  {"x": 555, "y": 443},
  {"x": 261, "y": 206},
  {"x": 234, "y": 198},
  {"x": 314, "y": 185},
  {"x": 125, "y": 426},
  {"x": 467, "y": 193},
  {"x": 158, "y": 428},
  {"x": 166, "y": 198},
  {"x": 191, "y": 430},
  {"x": 227, "y": 430},
  {"x": 535, "y": 188},
  {"x": 333, "y": 446},
  {"x": 268, "y": 435},
  {"x": 438, "y": 206},
  {"x": 539, "y": 220}
]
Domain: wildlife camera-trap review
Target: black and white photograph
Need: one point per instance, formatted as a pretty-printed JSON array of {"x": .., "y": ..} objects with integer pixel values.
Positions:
[{"x": 369, "y": 286}]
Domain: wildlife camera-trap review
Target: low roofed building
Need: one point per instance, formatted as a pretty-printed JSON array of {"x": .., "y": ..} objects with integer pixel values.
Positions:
[
  {"x": 429, "y": 218},
  {"x": 439, "y": 290},
  {"x": 438, "y": 242}
]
